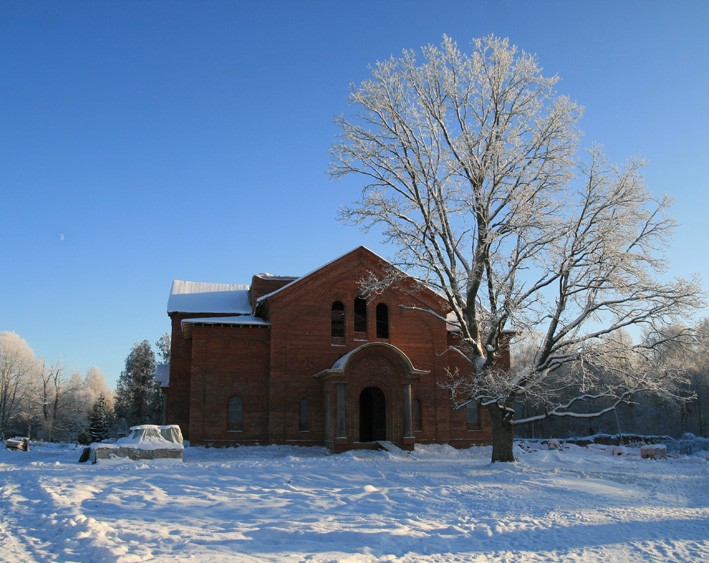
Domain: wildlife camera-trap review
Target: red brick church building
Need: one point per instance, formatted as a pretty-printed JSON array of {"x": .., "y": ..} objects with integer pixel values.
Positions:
[{"x": 311, "y": 361}]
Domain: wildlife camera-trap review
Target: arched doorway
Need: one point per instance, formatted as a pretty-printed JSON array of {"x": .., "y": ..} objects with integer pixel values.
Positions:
[{"x": 372, "y": 415}]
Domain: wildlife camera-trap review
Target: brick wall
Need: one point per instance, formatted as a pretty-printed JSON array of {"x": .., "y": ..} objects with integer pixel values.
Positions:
[
  {"x": 273, "y": 369},
  {"x": 229, "y": 361}
]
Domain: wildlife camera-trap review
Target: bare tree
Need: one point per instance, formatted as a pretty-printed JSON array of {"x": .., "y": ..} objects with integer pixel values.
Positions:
[
  {"x": 95, "y": 387},
  {"x": 18, "y": 369},
  {"x": 50, "y": 393},
  {"x": 163, "y": 345},
  {"x": 63, "y": 412},
  {"x": 473, "y": 172}
]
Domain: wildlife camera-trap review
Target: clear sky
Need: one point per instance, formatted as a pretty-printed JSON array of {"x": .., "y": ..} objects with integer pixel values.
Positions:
[{"x": 146, "y": 141}]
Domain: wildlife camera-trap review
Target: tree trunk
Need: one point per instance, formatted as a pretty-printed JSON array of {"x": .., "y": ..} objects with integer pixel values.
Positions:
[{"x": 502, "y": 435}]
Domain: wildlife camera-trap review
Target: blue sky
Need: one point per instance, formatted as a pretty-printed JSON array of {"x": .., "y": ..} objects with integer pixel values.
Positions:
[{"x": 142, "y": 142}]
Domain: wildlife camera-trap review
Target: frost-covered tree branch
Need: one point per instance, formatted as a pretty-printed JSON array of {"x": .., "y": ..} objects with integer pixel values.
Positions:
[{"x": 472, "y": 171}]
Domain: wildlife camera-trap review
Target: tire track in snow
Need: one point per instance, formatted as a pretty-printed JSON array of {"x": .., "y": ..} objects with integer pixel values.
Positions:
[
  {"x": 12, "y": 546},
  {"x": 49, "y": 523}
]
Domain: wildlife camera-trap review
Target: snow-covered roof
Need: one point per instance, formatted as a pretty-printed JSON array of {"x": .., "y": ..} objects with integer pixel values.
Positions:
[
  {"x": 199, "y": 297},
  {"x": 341, "y": 362},
  {"x": 237, "y": 320},
  {"x": 267, "y": 276},
  {"x": 453, "y": 326},
  {"x": 221, "y": 298},
  {"x": 452, "y": 322}
]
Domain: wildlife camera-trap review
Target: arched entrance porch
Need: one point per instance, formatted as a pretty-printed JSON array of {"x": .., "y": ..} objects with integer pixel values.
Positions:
[{"x": 368, "y": 398}]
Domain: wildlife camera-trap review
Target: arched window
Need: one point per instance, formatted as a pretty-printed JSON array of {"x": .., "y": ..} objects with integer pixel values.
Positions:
[
  {"x": 360, "y": 314},
  {"x": 235, "y": 415},
  {"x": 471, "y": 416},
  {"x": 337, "y": 324},
  {"x": 418, "y": 424},
  {"x": 382, "y": 321},
  {"x": 304, "y": 421}
]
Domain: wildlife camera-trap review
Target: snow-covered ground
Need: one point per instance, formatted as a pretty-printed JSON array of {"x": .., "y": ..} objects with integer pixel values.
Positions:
[{"x": 287, "y": 504}]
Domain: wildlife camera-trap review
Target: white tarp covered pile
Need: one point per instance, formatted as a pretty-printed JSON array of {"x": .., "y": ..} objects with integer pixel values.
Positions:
[{"x": 146, "y": 441}]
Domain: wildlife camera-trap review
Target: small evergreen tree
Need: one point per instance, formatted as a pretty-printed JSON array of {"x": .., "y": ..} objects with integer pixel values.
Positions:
[
  {"x": 100, "y": 420},
  {"x": 138, "y": 394}
]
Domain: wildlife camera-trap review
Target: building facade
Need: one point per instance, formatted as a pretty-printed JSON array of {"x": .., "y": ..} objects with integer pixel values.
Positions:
[{"x": 312, "y": 361}]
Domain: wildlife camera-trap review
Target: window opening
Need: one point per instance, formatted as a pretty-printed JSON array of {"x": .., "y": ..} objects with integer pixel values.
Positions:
[
  {"x": 471, "y": 416},
  {"x": 304, "y": 422},
  {"x": 235, "y": 415},
  {"x": 360, "y": 314},
  {"x": 382, "y": 321},
  {"x": 337, "y": 326}
]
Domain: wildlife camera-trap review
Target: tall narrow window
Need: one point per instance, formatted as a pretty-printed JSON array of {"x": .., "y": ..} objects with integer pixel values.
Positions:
[
  {"x": 418, "y": 424},
  {"x": 304, "y": 422},
  {"x": 360, "y": 314},
  {"x": 382, "y": 321},
  {"x": 471, "y": 416},
  {"x": 235, "y": 415},
  {"x": 337, "y": 326}
]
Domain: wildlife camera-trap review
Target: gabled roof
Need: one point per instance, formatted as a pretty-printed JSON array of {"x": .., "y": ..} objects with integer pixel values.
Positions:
[
  {"x": 301, "y": 278},
  {"x": 198, "y": 297},
  {"x": 362, "y": 250},
  {"x": 285, "y": 288},
  {"x": 233, "y": 299}
]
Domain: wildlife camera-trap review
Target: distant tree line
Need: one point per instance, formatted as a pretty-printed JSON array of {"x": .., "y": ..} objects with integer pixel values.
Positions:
[
  {"x": 682, "y": 408},
  {"x": 43, "y": 401}
]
